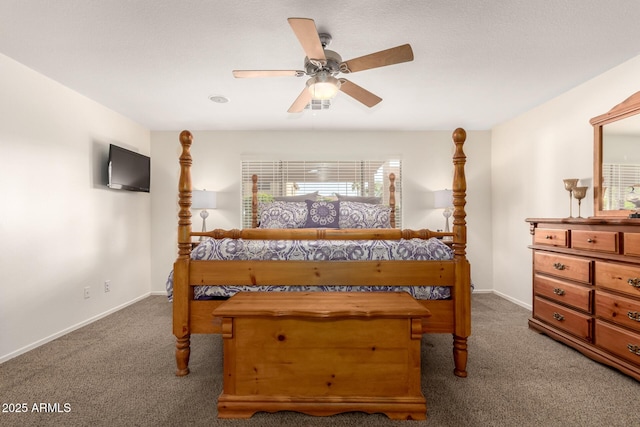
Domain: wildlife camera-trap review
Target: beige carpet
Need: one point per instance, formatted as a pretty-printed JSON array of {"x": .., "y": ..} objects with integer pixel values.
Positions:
[{"x": 119, "y": 371}]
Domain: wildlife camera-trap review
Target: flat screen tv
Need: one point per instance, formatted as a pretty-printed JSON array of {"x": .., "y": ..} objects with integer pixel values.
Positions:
[{"x": 128, "y": 170}]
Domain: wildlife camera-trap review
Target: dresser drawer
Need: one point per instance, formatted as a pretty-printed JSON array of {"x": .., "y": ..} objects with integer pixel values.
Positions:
[
  {"x": 631, "y": 244},
  {"x": 568, "y": 267},
  {"x": 620, "y": 310},
  {"x": 550, "y": 237},
  {"x": 576, "y": 296},
  {"x": 619, "y": 341},
  {"x": 600, "y": 241},
  {"x": 561, "y": 317},
  {"x": 620, "y": 277}
]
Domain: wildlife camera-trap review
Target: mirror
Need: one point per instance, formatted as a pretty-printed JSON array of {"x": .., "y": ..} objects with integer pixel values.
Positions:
[{"x": 616, "y": 160}]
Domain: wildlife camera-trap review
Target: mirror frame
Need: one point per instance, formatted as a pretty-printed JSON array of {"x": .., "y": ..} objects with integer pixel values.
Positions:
[{"x": 629, "y": 107}]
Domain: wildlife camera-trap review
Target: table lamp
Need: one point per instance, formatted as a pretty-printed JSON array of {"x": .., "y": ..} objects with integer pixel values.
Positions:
[
  {"x": 443, "y": 199},
  {"x": 203, "y": 199}
]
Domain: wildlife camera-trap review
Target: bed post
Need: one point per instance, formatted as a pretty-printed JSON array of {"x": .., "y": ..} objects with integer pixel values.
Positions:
[
  {"x": 462, "y": 287},
  {"x": 254, "y": 201},
  {"x": 392, "y": 199},
  {"x": 182, "y": 292}
]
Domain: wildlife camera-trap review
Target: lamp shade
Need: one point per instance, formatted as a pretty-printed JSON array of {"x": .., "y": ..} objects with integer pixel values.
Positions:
[
  {"x": 443, "y": 199},
  {"x": 203, "y": 199},
  {"x": 323, "y": 86}
]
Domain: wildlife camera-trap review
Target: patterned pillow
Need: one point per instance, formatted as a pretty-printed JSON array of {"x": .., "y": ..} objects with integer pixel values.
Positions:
[
  {"x": 360, "y": 199},
  {"x": 322, "y": 214},
  {"x": 282, "y": 214},
  {"x": 300, "y": 198},
  {"x": 364, "y": 215}
]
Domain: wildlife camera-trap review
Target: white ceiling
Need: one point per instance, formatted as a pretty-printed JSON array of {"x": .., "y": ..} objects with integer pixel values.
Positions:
[{"x": 477, "y": 63}]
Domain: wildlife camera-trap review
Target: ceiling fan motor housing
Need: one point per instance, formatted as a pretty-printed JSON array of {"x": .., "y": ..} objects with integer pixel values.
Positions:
[{"x": 332, "y": 64}]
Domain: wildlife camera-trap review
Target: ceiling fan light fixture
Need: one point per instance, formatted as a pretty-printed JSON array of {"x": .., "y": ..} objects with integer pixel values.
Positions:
[{"x": 323, "y": 86}]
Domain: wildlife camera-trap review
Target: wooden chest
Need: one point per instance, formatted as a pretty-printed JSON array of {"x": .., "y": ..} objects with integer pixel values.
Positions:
[{"x": 322, "y": 353}]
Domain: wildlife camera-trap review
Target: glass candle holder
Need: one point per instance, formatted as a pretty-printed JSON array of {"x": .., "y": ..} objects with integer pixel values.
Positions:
[
  {"x": 579, "y": 193},
  {"x": 569, "y": 185}
]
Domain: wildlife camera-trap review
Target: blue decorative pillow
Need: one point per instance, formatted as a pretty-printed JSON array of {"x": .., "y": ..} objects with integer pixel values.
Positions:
[
  {"x": 282, "y": 214},
  {"x": 364, "y": 215},
  {"x": 322, "y": 214}
]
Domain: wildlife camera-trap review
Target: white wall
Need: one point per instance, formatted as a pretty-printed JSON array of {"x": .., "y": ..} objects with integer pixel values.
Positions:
[
  {"x": 531, "y": 155},
  {"x": 61, "y": 229},
  {"x": 426, "y": 167}
]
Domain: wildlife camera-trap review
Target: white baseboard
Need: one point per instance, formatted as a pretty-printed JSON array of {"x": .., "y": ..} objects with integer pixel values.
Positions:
[
  {"x": 69, "y": 329},
  {"x": 513, "y": 300},
  {"x": 163, "y": 293}
]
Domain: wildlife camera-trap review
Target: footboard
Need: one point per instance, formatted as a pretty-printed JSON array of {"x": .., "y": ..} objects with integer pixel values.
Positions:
[
  {"x": 196, "y": 315},
  {"x": 318, "y": 273}
]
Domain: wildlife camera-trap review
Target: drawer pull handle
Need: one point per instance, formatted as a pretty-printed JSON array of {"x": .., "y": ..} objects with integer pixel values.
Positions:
[
  {"x": 559, "y": 317},
  {"x": 635, "y": 282},
  {"x": 548, "y": 236},
  {"x": 590, "y": 240},
  {"x": 560, "y": 266},
  {"x": 635, "y": 349},
  {"x": 558, "y": 291},
  {"x": 634, "y": 315}
]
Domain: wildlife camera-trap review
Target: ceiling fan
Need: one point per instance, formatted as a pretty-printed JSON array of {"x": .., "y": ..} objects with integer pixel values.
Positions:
[{"x": 323, "y": 65}]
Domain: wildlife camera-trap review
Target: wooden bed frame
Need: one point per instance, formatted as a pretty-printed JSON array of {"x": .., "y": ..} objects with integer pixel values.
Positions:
[{"x": 452, "y": 316}]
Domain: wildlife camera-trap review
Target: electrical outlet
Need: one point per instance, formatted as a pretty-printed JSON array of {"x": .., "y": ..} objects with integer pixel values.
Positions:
[
  {"x": 87, "y": 292},
  {"x": 107, "y": 285}
]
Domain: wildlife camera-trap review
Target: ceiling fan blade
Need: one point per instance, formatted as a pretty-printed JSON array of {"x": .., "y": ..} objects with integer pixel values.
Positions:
[
  {"x": 301, "y": 101},
  {"x": 307, "y": 34},
  {"x": 358, "y": 93},
  {"x": 395, "y": 55},
  {"x": 240, "y": 74}
]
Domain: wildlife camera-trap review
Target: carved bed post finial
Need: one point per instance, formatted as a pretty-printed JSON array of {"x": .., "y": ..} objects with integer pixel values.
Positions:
[
  {"x": 254, "y": 201},
  {"x": 184, "y": 196},
  {"x": 392, "y": 199}
]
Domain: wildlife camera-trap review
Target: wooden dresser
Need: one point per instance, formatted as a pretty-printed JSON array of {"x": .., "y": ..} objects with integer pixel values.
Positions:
[{"x": 586, "y": 287}]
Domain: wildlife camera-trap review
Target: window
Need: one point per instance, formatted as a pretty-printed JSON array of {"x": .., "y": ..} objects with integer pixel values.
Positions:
[
  {"x": 621, "y": 182},
  {"x": 328, "y": 178}
]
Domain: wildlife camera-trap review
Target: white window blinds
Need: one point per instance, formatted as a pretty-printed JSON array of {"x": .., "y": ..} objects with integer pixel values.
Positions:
[
  {"x": 621, "y": 184},
  {"x": 328, "y": 178}
]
